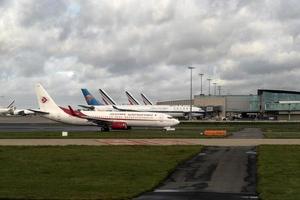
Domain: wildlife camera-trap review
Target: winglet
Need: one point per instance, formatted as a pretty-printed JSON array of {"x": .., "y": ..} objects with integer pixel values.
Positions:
[{"x": 72, "y": 111}]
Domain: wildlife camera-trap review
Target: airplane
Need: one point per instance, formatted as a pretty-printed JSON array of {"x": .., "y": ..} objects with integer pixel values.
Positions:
[
  {"x": 172, "y": 110},
  {"x": 106, "y": 120},
  {"x": 22, "y": 112},
  {"x": 131, "y": 99},
  {"x": 8, "y": 110}
]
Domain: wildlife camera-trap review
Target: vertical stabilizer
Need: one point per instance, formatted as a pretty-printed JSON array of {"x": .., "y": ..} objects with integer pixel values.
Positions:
[
  {"x": 45, "y": 102},
  {"x": 146, "y": 100},
  {"x": 131, "y": 99},
  {"x": 90, "y": 99},
  {"x": 106, "y": 98},
  {"x": 11, "y": 104}
]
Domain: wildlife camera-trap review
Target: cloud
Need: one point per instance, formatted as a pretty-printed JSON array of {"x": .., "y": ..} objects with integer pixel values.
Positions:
[{"x": 146, "y": 47}]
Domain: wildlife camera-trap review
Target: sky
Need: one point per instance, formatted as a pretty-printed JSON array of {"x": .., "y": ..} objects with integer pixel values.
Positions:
[{"x": 146, "y": 46}]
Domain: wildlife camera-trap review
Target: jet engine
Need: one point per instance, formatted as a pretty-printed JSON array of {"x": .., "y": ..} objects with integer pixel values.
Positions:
[{"x": 119, "y": 125}]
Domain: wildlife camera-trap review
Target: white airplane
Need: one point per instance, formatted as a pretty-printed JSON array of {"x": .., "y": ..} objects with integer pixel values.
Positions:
[
  {"x": 131, "y": 99},
  {"x": 8, "y": 110},
  {"x": 105, "y": 120},
  {"x": 146, "y": 100},
  {"x": 22, "y": 112},
  {"x": 172, "y": 110}
]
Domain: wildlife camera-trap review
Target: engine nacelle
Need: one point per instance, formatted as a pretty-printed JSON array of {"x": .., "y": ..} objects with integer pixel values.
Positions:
[{"x": 119, "y": 125}]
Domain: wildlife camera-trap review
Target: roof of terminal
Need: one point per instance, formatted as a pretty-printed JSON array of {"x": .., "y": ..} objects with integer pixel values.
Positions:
[{"x": 260, "y": 91}]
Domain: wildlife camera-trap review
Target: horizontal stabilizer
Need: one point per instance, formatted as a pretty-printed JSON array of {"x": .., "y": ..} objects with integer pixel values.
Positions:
[
  {"x": 39, "y": 111},
  {"x": 87, "y": 107},
  {"x": 126, "y": 110}
]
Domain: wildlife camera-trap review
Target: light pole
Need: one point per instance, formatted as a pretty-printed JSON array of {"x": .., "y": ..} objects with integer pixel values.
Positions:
[
  {"x": 215, "y": 89},
  {"x": 219, "y": 88},
  {"x": 209, "y": 79},
  {"x": 201, "y": 94},
  {"x": 191, "y": 92}
]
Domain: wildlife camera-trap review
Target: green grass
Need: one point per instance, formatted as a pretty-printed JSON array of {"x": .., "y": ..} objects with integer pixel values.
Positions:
[
  {"x": 279, "y": 172},
  {"x": 282, "y": 134},
  {"x": 86, "y": 172},
  {"x": 132, "y": 134}
]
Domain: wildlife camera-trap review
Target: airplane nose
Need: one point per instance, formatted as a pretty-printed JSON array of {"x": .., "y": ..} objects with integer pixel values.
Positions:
[{"x": 176, "y": 121}]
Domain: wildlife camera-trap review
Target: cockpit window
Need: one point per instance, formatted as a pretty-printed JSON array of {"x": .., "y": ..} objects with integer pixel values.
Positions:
[{"x": 170, "y": 117}]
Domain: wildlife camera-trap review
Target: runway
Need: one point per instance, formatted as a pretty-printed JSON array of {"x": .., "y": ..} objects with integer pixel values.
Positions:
[{"x": 163, "y": 142}]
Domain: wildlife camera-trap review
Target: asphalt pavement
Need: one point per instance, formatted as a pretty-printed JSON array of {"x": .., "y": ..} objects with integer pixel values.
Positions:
[{"x": 215, "y": 173}]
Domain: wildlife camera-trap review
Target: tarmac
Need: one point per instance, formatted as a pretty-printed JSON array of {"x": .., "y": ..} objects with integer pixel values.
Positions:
[
  {"x": 217, "y": 173},
  {"x": 223, "y": 170}
]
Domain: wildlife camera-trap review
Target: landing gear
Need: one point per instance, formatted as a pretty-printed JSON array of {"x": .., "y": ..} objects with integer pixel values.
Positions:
[{"x": 105, "y": 129}]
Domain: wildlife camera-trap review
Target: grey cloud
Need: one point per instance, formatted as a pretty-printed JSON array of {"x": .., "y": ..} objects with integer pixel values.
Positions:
[
  {"x": 42, "y": 12},
  {"x": 147, "y": 46}
]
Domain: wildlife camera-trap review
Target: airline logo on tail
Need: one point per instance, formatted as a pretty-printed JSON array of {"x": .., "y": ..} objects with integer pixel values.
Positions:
[
  {"x": 44, "y": 99},
  {"x": 89, "y": 97}
]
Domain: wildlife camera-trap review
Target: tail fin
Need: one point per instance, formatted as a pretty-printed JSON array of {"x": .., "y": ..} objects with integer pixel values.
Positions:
[
  {"x": 45, "y": 102},
  {"x": 90, "y": 99},
  {"x": 106, "y": 98},
  {"x": 131, "y": 99},
  {"x": 11, "y": 104},
  {"x": 146, "y": 100}
]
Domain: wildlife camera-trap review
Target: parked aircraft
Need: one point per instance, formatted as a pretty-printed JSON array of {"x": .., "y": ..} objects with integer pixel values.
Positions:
[
  {"x": 172, "y": 110},
  {"x": 22, "y": 112},
  {"x": 105, "y": 119},
  {"x": 131, "y": 99},
  {"x": 8, "y": 110},
  {"x": 146, "y": 100}
]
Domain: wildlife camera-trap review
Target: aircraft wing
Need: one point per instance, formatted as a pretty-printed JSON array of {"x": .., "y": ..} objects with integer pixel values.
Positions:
[
  {"x": 95, "y": 120},
  {"x": 126, "y": 110},
  {"x": 98, "y": 121},
  {"x": 87, "y": 107},
  {"x": 38, "y": 111}
]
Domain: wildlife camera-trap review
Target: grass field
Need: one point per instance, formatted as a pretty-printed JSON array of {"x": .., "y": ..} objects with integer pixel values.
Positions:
[
  {"x": 279, "y": 172},
  {"x": 282, "y": 134},
  {"x": 86, "y": 172}
]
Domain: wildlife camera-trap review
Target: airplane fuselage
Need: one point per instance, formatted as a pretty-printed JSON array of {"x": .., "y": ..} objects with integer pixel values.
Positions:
[
  {"x": 135, "y": 119},
  {"x": 174, "y": 111}
]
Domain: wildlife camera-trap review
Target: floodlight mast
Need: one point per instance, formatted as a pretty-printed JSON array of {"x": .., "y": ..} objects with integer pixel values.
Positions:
[
  {"x": 201, "y": 75},
  {"x": 191, "y": 91},
  {"x": 209, "y": 79}
]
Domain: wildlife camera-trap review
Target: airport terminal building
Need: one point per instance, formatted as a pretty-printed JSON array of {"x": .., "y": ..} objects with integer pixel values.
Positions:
[{"x": 267, "y": 104}]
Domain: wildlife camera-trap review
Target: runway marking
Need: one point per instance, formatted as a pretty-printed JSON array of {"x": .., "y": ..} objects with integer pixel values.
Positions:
[
  {"x": 249, "y": 197},
  {"x": 163, "y": 142}
]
